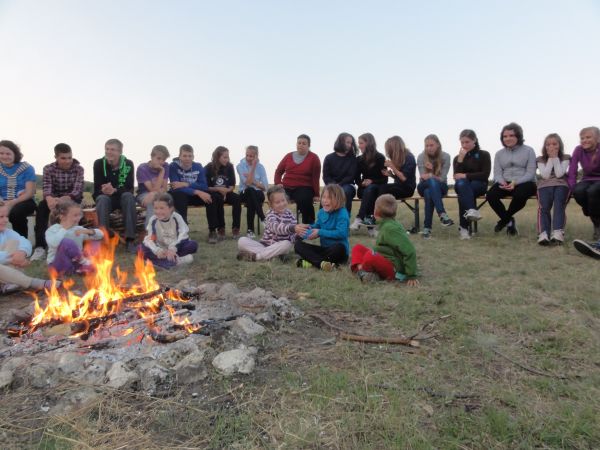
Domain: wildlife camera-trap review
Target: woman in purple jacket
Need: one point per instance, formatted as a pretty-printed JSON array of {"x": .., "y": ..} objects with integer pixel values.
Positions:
[{"x": 587, "y": 191}]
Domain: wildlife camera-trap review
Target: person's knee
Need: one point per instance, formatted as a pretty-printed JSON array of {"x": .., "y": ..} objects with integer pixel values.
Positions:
[
  {"x": 103, "y": 201},
  {"x": 461, "y": 184}
]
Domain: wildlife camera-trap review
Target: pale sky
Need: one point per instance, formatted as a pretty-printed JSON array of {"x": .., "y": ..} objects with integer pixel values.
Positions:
[{"x": 236, "y": 73}]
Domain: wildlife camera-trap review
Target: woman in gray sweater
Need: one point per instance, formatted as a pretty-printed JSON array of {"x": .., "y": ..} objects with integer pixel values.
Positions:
[{"x": 514, "y": 176}]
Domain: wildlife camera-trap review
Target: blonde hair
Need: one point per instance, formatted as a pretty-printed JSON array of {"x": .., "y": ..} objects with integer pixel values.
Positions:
[
  {"x": 386, "y": 206},
  {"x": 62, "y": 207},
  {"x": 436, "y": 160},
  {"x": 336, "y": 194},
  {"x": 396, "y": 150}
]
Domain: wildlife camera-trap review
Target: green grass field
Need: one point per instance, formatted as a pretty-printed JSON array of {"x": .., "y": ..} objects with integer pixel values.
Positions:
[{"x": 514, "y": 361}]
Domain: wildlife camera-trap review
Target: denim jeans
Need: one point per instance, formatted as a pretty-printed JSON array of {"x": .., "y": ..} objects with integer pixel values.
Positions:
[
  {"x": 368, "y": 196},
  {"x": 467, "y": 191},
  {"x": 350, "y": 192},
  {"x": 552, "y": 199},
  {"x": 432, "y": 190}
]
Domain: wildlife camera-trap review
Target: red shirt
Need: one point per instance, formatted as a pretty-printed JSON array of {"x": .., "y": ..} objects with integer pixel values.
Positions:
[{"x": 305, "y": 174}]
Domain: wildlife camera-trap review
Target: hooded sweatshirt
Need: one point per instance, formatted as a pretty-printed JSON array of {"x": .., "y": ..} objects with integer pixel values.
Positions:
[{"x": 195, "y": 176}]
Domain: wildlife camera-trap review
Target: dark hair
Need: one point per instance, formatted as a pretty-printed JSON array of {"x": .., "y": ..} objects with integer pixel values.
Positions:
[
  {"x": 62, "y": 207},
  {"x": 370, "y": 149},
  {"x": 116, "y": 142},
  {"x": 274, "y": 189},
  {"x": 216, "y": 156},
  {"x": 62, "y": 148},
  {"x": 516, "y": 128},
  {"x": 13, "y": 148},
  {"x": 340, "y": 145},
  {"x": 304, "y": 136},
  {"x": 471, "y": 135},
  {"x": 186, "y": 148},
  {"x": 561, "y": 147},
  {"x": 164, "y": 197}
]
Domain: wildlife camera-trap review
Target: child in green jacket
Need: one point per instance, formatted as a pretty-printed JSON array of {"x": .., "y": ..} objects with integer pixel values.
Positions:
[{"x": 393, "y": 256}]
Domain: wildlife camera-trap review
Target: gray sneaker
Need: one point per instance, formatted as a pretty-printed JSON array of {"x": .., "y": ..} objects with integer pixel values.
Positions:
[
  {"x": 212, "y": 237},
  {"x": 589, "y": 249}
]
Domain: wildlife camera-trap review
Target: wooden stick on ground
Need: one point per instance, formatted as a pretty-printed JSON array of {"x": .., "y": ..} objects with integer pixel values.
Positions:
[{"x": 342, "y": 334}]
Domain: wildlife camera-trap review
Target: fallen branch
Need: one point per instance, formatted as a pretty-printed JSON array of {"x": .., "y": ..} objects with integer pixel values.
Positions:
[
  {"x": 342, "y": 334},
  {"x": 533, "y": 370}
]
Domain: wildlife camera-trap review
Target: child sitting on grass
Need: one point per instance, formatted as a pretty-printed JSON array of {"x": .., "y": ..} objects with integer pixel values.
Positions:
[
  {"x": 393, "y": 256},
  {"x": 65, "y": 239},
  {"x": 14, "y": 250},
  {"x": 167, "y": 242},
  {"x": 332, "y": 227},
  {"x": 280, "y": 231}
]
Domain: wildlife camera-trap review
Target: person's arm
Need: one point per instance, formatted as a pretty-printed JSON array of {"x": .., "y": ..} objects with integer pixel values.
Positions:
[
  {"x": 150, "y": 239},
  {"x": 529, "y": 174},
  {"x": 243, "y": 184},
  {"x": 445, "y": 166},
  {"x": 261, "y": 178},
  {"x": 99, "y": 178},
  {"x": 96, "y": 236},
  {"x": 498, "y": 178},
  {"x": 406, "y": 251},
  {"x": 421, "y": 165},
  {"x": 573, "y": 165},
  {"x": 560, "y": 167},
  {"x": 183, "y": 234},
  {"x": 77, "y": 191},
  {"x": 379, "y": 166},
  {"x": 280, "y": 170},
  {"x": 231, "y": 177},
  {"x": 409, "y": 168},
  {"x": 23, "y": 245},
  {"x": 316, "y": 175},
  {"x": 545, "y": 168},
  {"x": 47, "y": 182},
  {"x": 327, "y": 175},
  {"x": 30, "y": 187}
]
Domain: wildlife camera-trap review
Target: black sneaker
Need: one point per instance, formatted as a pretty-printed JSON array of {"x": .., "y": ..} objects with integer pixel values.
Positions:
[
  {"x": 588, "y": 249},
  {"x": 369, "y": 221},
  {"x": 499, "y": 226},
  {"x": 445, "y": 220},
  {"x": 511, "y": 228}
]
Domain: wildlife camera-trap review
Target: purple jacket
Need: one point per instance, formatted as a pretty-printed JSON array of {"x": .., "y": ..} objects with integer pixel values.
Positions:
[{"x": 591, "y": 169}]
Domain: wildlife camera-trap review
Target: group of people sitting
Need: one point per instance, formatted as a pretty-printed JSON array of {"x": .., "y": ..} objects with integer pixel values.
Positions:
[{"x": 166, "y": 190}]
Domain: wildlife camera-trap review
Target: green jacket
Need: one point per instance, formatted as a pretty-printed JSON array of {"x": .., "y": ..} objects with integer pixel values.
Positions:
[{"x": 393, "y": 244}]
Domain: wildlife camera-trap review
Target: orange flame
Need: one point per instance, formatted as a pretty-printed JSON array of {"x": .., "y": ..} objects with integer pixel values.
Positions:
[{"x": 104, "y": 292}]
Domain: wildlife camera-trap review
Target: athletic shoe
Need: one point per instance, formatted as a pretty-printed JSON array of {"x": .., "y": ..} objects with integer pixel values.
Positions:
[
  {"x": 588, "y": 249},
  {"x": 368, "y": 277},
  {"x": 356, "y": 224},
  {"x": 426, "y": 233},
  {"x": 463, "y": 233},
  {"x": 326, "y": 266},
  {"x": 250, "y": 234},
  {"x": 511, "y": 228},
  {"x": 39, "y": 254},
  {"x": 212, "y": 237},
  {"x": 9, "y": 288},
  {"x": 499, "y": 226},
  {"x": 445, "y": 220},
  {"x": 472, "y": 215},
  {"x": 244, "y": 255},
  {"x": 558, "y": 237},
  {"x": 543, "y": 239},
  {"x": 303, "y": 264},
  {"x": 235, "y": 233},
  {"x": 372, "y": 232},
  {"x": 187, "y": 259},
  {"x": 369, "y": 221},
  {"x": 221, "y": 234}
]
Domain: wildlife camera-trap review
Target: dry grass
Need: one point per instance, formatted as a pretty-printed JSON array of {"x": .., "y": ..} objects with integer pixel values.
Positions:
[{"x": 516, "y": 365}]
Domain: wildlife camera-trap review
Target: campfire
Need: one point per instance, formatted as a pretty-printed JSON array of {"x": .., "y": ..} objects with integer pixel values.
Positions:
[{"x": 111, "y": 301}]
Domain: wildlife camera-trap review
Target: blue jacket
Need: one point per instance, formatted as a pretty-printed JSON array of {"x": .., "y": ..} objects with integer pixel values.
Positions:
[
  {"x": 195, "y": 176},
  {"x": 260, "y": 175},
  {"x": 10, "y": 235},
  {"x": 333, "y": 227}
]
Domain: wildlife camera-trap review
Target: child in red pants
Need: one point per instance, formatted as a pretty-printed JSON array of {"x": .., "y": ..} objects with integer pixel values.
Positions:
[{"x": 393, "y": 256}]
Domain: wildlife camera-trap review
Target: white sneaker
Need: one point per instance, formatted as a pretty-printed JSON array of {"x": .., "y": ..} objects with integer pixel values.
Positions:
[
  {"x": 39, "y": 254},
  {"x": 250, "y": 234},
  {"x": 372, "y": 232},
  {"x": 558, "y": 236},
  {"x": 356, "y": 224},
  {"x": 463, "y": 233},
  {"x": 472, "y": 215},
  {"x": 187, "y": 259},
  {"x": 9, "y": 288},
  {"x": 543, "y": 238}
]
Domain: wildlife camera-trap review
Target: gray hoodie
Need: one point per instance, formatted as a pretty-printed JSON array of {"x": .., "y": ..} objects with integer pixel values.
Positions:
[{"x": 516, "y": 164}]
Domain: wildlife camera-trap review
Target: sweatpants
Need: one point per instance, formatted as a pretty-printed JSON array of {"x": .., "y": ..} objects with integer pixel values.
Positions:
[
  {"x": 371, "y": 261},
  {"x": 316, "y": 254},
  {"x": 264, "y": 252}
]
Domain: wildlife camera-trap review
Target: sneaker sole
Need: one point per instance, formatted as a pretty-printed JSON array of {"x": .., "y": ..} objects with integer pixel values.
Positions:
[{"x": 586, "y": 249}]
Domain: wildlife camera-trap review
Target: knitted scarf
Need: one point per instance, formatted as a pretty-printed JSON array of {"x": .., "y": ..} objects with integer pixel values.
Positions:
[
  {"x": 123, "y": 171},
  {"x": 11, "y": 183}
]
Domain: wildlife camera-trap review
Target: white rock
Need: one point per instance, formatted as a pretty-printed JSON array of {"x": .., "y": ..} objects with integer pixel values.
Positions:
[
  {"x": 228, "y": 290},
  {"x": 247, "y": 326},
  {"x": 69, "y": 363},
  {"x": 120, "y": 377},
  {"x": 74, "y": 400},
  {"x": 191, "y": 369},
  {"x": 239, "y": 360},
  {"x": 156, "y": 380},
  {"x": 6, "y": 378}
]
